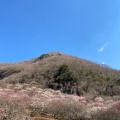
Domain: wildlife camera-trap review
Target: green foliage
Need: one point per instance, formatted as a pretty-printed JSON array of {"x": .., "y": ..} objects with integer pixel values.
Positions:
[
  {"x": 118, "y": 82},
  {"x": 65, "y": 81},
  {"x": 64, "y": 74}
]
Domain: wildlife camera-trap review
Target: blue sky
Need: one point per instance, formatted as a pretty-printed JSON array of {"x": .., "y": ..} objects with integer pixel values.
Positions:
[{"x": 88, "y": 29}]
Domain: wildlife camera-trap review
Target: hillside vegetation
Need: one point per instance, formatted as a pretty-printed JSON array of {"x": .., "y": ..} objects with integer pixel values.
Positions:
[
  {"x": 63, "y": 72},
  {"x": 56, "y": 86}
]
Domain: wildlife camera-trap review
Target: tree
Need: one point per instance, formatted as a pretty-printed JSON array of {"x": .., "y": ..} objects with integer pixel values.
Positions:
[{"x": 64, "y": 75}]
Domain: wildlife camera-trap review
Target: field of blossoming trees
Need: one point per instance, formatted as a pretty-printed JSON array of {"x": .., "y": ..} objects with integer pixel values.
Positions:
[
  {"x": 59, "y": 87},
  {"x": 18, "y": 102}
]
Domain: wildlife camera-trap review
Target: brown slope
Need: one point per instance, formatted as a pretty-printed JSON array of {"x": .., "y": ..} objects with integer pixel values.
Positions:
[{"x": 90, "y": 77}]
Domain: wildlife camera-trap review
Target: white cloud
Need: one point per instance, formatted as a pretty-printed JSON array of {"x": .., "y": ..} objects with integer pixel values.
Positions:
[
  {"x": 103, "y": 63},
  {"x": 103, "y": 47}
]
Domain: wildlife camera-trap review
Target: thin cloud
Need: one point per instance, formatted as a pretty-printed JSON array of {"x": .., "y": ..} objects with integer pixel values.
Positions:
[
  {"x": 103, "y": 63},
  {"x": 103, "y": 47}
]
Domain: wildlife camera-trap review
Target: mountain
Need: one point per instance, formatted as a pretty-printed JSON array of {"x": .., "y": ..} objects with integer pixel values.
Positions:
[{"x": 66, "y": 73}]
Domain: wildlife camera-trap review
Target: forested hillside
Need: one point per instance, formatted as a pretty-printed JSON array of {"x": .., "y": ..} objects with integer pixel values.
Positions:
[{"x": 63, "y": 72}]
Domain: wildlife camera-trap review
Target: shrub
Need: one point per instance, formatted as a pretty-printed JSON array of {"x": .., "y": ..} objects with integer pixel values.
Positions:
[
  {"x": 8, "y": 72},
  {"x": 11, "y": 110},
  {"x": 110, "y": 114},
  {"x": 67, "y": 111},
  {"x": 116, "y": 106},
  {"x": 62, "y": 111}
]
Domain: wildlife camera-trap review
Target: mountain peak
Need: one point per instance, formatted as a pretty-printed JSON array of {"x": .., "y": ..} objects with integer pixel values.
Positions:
[{"x": 46, "y": 55}]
